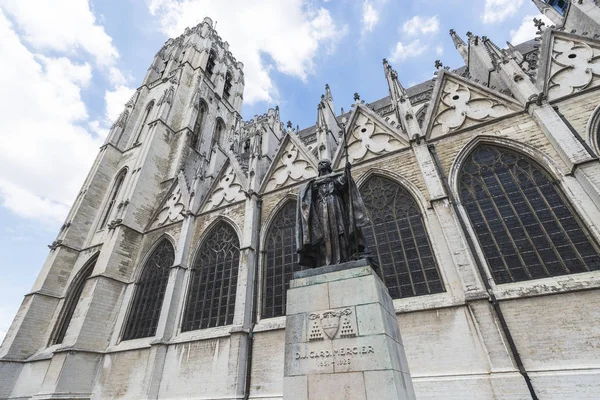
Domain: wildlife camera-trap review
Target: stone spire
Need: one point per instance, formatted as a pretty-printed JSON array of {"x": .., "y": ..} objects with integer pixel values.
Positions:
[
  {"x": 328, "y": 130},
  {"x": 404, "y": 109},
  {"x": 495, "y": 52},
  {"x": 397, "y": 91},
  {"x": 460, "y": 45}
]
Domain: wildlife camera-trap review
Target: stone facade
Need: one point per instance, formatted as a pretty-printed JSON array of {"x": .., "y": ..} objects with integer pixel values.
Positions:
[{"x": 180, "y": 162}]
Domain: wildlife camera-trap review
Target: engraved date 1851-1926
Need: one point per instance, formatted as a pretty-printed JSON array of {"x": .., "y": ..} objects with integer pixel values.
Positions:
[{"x": 339, "y": 361}]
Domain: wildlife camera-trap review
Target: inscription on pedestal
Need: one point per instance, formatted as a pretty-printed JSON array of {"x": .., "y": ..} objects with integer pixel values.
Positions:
[{"x": 354, "y": 347}]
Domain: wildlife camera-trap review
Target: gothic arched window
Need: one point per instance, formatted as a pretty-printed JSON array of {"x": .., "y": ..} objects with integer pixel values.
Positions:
[
  {"x": 280, "y": 261},
  {"x": 213, "y": 281},
  {"x": 198, "y": 124},
  {"x": 150, "y": 292},
  {"x": 210, "y": 64},
  {"x": 227, "y": 88},
  {"x": 144, "y": 122},
  {"x": 398, "y": 240},
  {"x": 526, "y": 228},
  {"x": 71, "y": 299},
  {"x": 218, "y": 135},
  {"x": 113, "y": 197}
]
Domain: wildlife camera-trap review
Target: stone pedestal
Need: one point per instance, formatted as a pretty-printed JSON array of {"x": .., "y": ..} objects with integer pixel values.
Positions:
[{"x": 341, "y": 337}]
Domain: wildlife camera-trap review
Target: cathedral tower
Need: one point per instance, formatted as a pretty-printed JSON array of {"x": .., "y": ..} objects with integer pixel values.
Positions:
[{"x": 169, "y": 276}]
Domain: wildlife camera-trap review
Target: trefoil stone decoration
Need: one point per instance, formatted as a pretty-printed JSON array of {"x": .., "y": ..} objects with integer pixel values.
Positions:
[{"x": 575, "y": 67}]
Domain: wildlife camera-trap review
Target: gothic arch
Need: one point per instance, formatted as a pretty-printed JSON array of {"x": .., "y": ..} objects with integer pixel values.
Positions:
[
  {"x": 149, "y": 292},
  {"x": 199, "y": 122},
  {"x": 279, "y": 260},
  {"x": 145, "y": 120},
  {"x": 593, "y": 130},
  {"x": 219, "y": 132},
  {"x": 525, "y": 225},
  {"x": 398, "y": 239},
  {"x": 273, "y": 214},
  {"x": 549, "y": 165},
  {"x": 137, "y": 272},
  {"x": 212, "y": 287},
  {"x": 72, "y": 297},
  {"x": 414, "y": 191},
  {"x": 112, "y": 198},
  {"x": 228, "y": 85}
]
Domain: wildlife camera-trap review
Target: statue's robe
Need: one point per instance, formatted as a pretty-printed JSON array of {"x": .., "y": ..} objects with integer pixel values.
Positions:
[{"x": 329, "y": 221}]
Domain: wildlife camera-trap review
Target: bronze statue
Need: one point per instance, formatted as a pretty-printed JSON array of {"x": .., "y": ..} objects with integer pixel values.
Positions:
[{"x": 329, "y": 219}]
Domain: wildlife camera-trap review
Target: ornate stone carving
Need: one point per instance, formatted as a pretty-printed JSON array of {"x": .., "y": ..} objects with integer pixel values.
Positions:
[
  {"x": 367, "y": 139},
  {"x": 461, "y": 106},
  {"x": 575, "y": 66},
  {"x": 173, "y": 208},
  {"x": 228, "y": 190},
  {"x": 328, "y": 323},
  {"x": 292, "y": 166},
  {"x": 167, "y": 96}
]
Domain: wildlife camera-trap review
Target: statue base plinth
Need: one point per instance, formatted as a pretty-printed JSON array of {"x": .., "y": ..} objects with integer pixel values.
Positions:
[{"x": 342, "y": 339}]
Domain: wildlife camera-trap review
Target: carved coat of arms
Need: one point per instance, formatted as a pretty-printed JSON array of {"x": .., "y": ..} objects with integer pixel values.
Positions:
[{"x": 328, "y": 323}]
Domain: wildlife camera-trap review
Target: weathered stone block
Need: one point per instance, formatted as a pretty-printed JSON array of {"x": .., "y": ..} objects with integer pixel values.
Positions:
[{"x": 333, "y": 348}]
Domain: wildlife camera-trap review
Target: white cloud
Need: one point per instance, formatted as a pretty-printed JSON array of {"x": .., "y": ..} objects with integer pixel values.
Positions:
[
  {"x": 45, "y": 151},
  {"x": 370, "y": 17},
  {"x": 62, "y": 26},
  {"x": 499, "y": 10},
  {"x": 290, "y": 32},
  {"x": 403, "y": 52},
  {"x": 115, "y": 101},
  {"x": 527, "y": 29},
  {"x": 418, "y": 25},
  {"x": 439, "y": 50}
]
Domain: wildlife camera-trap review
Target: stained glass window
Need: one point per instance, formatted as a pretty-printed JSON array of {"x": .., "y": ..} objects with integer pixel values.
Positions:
[
  {"x": 213, "y": 281},
  {"x": 71, "y": 300},
  {"x": 150, "y": 292},
  {"x": 525, "y": 226},
  {"x": 280, "y": 261},
  {"x": 398, "y": 240}
]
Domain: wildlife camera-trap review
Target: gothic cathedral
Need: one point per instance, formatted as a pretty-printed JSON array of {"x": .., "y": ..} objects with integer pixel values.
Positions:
[{"x": 168, "y": 278}]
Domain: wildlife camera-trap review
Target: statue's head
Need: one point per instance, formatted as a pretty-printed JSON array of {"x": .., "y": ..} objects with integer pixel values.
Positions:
[{"x": 324, "y": 167}]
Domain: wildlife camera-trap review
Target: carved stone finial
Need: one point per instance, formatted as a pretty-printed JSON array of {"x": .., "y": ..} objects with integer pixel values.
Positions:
[
  {"x": 356, "y": 97},
  {"x": 469, "y": 34},
  {"x": 538, "y": 22},
  {"x": 438, "y": 64},
  {"x": 289, "y": 125}
]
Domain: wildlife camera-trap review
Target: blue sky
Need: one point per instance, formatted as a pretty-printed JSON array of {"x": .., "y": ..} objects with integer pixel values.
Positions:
[{"x": 68, "y": 67}]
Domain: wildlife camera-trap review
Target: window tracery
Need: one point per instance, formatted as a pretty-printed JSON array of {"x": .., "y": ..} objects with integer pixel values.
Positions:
[
  {"x": 150, "y": 292},
  {"x": 213, "y": 281},
  {"x": 525, "y": 227},
  {"x": 398, "y": 240},
  {"x": 280, "y": 261}
]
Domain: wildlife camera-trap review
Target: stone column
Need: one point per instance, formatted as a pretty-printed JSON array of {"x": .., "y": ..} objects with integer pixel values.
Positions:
[{"x": 342, "y": 339}]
